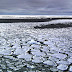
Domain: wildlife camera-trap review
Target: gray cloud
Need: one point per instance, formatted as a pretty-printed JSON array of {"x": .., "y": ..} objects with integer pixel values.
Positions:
[{"x": 35, "y": 6}]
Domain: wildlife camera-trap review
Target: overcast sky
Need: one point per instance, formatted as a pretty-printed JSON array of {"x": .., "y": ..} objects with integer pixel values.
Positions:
[{"x": 35, "y": 7}]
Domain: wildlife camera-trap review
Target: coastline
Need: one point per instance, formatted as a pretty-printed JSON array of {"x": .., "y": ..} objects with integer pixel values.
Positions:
[{"x": 31, "y": 18}]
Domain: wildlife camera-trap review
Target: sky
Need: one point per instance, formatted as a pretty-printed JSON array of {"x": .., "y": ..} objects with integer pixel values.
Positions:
[{"x": 35, "y": 7}]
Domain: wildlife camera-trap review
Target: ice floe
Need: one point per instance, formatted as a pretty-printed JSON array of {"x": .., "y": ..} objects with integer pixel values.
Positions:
[
  {"x": 32, "y": 42},
  {"x": 38, "y": 53},
  {"x": 62, "y": 67},
  {"x": 48, "y": 62},
  {"x": 70, "y": 60},
  {"x": 25, "y": 56},
  {"x": 43, "y": 47},
  {"x": 70, "y": 69},
  {"x": 59, "y": 55},
  {"x": 37, "y": 59},
  {"x": 63, "y": 62}
]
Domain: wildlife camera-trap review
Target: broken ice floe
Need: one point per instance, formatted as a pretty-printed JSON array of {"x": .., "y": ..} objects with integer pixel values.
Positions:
[
  {"x": 39, "y": 53},
  {"x": 59, "y": 55},
  {"x": 70, "y": 60},
  {"x": 48, "y": 62},
  {"x": 70, "y": 69},
  {"x": 52, "y": 48},
  {"x": 62, "y": 67},
  {"x": 26, "y": 56}
]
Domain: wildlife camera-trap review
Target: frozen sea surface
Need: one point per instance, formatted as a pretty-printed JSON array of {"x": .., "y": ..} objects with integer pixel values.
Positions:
[{"x": 25, "y": 49}]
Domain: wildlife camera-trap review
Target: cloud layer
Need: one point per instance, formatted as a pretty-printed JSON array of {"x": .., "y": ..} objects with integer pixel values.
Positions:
[{"x": 36, "y": 7}]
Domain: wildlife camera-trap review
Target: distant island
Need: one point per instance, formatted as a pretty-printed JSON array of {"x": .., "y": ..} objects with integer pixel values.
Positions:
[{"x": 31, "y": 18}]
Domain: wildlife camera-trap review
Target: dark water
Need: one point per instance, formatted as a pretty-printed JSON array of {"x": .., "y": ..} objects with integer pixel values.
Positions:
[{"x": 16, "y": 65}]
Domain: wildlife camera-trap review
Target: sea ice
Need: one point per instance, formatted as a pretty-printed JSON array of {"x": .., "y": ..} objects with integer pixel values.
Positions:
[
  {"x": 32, "y": 42},
  {"x": 59, "y": 55},
  {"x": 62, "y": 67},
  {"x": 63, "y": 62},
  {"x": 70, "y": 69},
  {"x": 37, "y": 59},
  {"x": 48, "y": 62},
  {"x": 38, "y": 53},
  {"x": 18, "y": 51},
  {"x": 70, "y": 60},
  {"x": 25, "y": 56}
]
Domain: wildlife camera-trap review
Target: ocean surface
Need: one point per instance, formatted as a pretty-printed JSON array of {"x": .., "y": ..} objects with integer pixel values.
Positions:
[{"x": 26, "y": 49}]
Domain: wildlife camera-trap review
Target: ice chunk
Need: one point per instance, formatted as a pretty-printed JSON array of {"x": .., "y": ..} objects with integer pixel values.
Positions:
[
  {"x": 59, "y": 55},
  {"x": 62, "y": 62},
  {"x": 48, "y": 62},
  {"x": 38, "y": 53},
  {"x": 70, "y": 60},
  {"x": 62, "y": 67},
  {"x": 33, "y": 42},
  {"x": 37, "y": 59},
  {"x": 26, "y": 56},
  {"x": 70, "y": 69},
  {"x": 18, "y": 51}
]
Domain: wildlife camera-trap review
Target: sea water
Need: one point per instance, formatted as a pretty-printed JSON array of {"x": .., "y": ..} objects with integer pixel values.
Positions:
[{"x": 26, "y": 49}]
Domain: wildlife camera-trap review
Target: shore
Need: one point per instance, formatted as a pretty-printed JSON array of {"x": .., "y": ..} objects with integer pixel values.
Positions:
[{"x": 30, "y": 18}]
